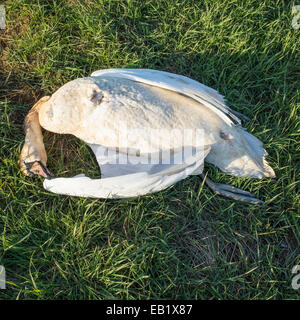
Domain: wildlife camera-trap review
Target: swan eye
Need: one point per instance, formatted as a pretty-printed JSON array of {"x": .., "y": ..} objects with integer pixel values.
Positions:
[{"x": 96, "y": 97}]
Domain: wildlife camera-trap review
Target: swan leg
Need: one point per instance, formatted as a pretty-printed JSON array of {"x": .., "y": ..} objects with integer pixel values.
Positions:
[
  {"x": 230, "y": 192},
  {"x": 33, "y": 157}
]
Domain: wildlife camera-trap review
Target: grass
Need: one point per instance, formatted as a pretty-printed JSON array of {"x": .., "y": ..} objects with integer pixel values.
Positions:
[{"x": 183, "y": 242}]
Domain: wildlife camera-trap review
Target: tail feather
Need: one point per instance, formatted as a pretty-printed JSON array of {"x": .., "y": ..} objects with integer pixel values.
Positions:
[
  {"x": 257, "y": 152},
  {"x": 241, "y": 155}
]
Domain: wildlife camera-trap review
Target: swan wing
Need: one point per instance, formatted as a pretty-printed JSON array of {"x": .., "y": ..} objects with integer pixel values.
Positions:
[
  {"x": 178, "y": 83},
  {"x": 122, "y": 182}
]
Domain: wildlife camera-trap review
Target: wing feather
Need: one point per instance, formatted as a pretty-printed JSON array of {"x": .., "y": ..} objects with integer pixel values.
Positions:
[
  {"x": 178, "y": 83},
  {"x": 126, "y": 184}
]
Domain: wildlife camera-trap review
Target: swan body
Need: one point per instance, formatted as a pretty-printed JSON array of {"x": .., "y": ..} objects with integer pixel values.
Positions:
[{"x": 156, "y": 107}]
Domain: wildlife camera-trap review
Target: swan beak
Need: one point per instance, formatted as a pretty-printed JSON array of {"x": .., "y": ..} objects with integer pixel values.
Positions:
[{"x": 37, "y": 168}]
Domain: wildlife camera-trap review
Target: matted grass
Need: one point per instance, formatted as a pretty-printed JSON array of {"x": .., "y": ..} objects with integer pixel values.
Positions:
[{"x": 183, "y": 242}]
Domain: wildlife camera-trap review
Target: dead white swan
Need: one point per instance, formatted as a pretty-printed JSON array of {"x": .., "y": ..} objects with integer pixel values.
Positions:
[{"x": 101, "y": 108}]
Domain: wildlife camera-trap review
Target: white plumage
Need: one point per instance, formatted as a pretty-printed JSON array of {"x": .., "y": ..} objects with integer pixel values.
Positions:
[{"x": 100, "y": 109}]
